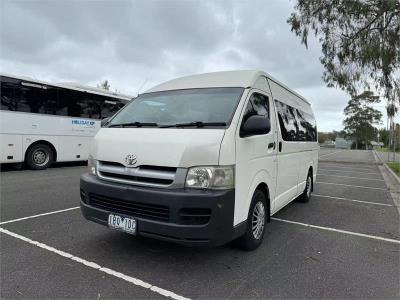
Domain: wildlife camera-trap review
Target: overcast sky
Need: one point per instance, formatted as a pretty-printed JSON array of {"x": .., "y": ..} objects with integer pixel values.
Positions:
[{"x": 138, "y": 44}]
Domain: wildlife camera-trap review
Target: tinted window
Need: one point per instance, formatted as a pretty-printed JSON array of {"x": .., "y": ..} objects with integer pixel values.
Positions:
[
  {"x": 24, "y": 96},
  {"x": 257, "y": 105},
  {"x": 49, "y": 101},
  {"x": 307, "y": 126},
  {"x": 91, "y": 105},
  {"x": 86, "y": 105},
  {"x": 68, "y": 103},
  {"x": 8, "y": 97},
  {"x": 287, "y": 121},
  {"x": 110, "y": 106},
  {"x": 295, "y": 124}
]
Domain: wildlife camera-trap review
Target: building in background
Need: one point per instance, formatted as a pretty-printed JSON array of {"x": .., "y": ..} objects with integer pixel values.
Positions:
[{"x": 342, "y": 143}]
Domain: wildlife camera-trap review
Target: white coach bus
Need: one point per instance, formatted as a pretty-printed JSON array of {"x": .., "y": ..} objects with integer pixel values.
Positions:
[
  {"x": 42, "y": 123},
  {"x": 203, "y": 160}
]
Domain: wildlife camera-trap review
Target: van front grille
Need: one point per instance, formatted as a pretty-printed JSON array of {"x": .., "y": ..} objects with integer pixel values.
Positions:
[
  {"x": 138, "y": 178},
  {"x": 157, "y": 176},
  {"x": 134, "y": 209}
]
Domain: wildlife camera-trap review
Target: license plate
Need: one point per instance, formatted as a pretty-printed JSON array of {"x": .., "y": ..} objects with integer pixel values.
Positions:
[{"x": 124, "y": 224}]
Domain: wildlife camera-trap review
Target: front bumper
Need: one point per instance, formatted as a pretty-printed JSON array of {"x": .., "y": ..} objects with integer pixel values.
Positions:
[{"x": 211, "y": 223}]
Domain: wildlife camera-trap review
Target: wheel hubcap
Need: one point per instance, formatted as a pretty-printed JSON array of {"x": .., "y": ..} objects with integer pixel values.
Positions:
[
  {"x": 40, "y": 157},
  {"x": 258, "y": 220}
]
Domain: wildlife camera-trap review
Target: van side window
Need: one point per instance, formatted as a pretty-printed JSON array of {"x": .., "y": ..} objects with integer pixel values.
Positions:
[
  {"x": 307, "y": 127},
  {"x": 287, "y": 121}
]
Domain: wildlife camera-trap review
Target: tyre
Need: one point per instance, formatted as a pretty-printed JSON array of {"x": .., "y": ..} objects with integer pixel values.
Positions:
[
  {"x": 306, "y": 195},
  {"x": 255, "y": 223},
  {"x": 39, "y": 157}
]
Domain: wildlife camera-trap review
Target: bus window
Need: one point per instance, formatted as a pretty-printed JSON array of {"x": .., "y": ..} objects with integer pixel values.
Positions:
[{"x": 8, "y": 100}]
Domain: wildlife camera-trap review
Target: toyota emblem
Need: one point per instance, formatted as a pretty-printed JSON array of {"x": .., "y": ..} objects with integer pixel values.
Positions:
[{"x": 130, "y": 160}]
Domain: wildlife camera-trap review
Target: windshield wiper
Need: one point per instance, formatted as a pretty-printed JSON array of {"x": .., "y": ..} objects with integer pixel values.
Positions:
[
  {"x": 134, "y": 124},
  {"x": 194, "y": 124}
]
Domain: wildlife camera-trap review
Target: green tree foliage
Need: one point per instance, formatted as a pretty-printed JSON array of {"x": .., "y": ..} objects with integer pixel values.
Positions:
[
  {"x": 322, "y": 137},
  {"x": 384, "y": 136},
  {"x": 360, "y": 42},
  {"x": 360, "y": 118},
  {"x": 326, "y": 136}
]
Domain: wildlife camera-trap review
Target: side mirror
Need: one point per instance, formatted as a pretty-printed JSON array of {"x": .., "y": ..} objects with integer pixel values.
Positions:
[
  {"x": 255, "y": 125},
  {"x": 104, "y": 121}
]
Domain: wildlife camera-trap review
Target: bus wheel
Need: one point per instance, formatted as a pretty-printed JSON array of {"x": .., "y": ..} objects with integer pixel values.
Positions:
[
  {"x": 39, "y": 157},
  {"x": 255, "y": 223}
]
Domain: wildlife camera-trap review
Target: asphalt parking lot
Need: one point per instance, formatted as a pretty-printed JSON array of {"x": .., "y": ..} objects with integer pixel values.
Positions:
[{"x": 344, "y": 243}]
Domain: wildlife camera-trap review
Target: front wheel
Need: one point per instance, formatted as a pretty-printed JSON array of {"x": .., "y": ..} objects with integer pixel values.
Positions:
[
  {"x": 255, "y": 223},
  {"x": 39, "y": 157}
]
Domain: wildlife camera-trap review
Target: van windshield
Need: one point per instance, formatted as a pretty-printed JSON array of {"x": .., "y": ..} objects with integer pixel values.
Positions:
[{"x": 212, "y": 107}]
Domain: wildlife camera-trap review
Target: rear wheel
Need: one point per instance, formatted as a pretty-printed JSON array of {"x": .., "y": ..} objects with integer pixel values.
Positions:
[
  {"x": 306, "y": 196},
  {"x": 255, "y": 223},
  {"x": 39, "y": 157}
]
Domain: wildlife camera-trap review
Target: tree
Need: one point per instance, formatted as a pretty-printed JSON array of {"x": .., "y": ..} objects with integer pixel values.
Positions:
[
  {"x": 360, "y": 42},
  {"x": 384, "y": 136},
  {"x": 104, "y": 85},
  {"x": 322, "y": 137},
  {"x": 391, "y": 111},
  {"x": 360, "y": 118},
  {"x": 326, "y": 136}
]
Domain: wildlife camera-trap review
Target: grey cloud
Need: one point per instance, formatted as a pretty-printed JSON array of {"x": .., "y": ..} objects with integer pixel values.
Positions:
[{"x": 135, "y": 42}]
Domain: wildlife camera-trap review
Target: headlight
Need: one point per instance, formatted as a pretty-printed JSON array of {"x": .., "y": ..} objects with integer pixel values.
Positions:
[
  {"x": 92, "y": 163},
  {"x": 211, "y": 177}
]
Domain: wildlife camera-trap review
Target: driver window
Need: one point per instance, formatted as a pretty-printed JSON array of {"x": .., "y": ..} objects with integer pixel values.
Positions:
[{"x": 258, "y": 105}]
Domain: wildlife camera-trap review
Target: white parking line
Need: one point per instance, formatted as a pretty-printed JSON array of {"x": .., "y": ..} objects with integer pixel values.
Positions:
[
  {"x": 362, "y": 178},
  {"x": 95, "y": 266},
  {"x": 331, "y": 153},
  {"x": 352, "y": 200},
  {"x": 350, "y": 185},
  {"x": 359, "y": 172},
  {"x": 39, "y": 215},
  {"x": 347, "y": 168},
  {"x": 340, "y": 231}
]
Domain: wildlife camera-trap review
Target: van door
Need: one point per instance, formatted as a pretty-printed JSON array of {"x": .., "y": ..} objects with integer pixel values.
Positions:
[
  {"x": 255, "y": 155},
  {"x": 288, "y": 156}
]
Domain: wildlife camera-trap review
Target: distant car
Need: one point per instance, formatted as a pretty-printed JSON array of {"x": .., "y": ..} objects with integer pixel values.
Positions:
[{"x": 203, "y": 160}]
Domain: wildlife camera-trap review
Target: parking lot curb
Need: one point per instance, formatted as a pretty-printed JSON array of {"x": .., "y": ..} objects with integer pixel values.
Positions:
[
  {"x": 393, "y": 173},
  {"x": 377, "y": 157},
  {"x": 391, "y": 179}
]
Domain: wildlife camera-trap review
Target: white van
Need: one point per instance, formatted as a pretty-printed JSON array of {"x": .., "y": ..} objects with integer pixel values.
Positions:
[{"x": 203, "y": 160}]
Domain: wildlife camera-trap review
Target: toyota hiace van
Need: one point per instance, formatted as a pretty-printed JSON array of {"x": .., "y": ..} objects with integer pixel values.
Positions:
[{"x": 203, "y": 160}]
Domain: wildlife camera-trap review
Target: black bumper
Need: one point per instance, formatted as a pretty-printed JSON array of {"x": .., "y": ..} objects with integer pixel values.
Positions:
[{"x": 213, "y": 229}]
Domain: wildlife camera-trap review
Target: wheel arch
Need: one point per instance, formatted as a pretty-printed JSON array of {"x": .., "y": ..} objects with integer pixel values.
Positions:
[
  {"x": 262, "y": 180},
  {"x": 43, "y": 142}
]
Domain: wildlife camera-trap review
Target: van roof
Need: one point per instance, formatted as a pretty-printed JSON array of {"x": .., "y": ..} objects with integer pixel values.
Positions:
[{"x": 240, "y": 78}]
